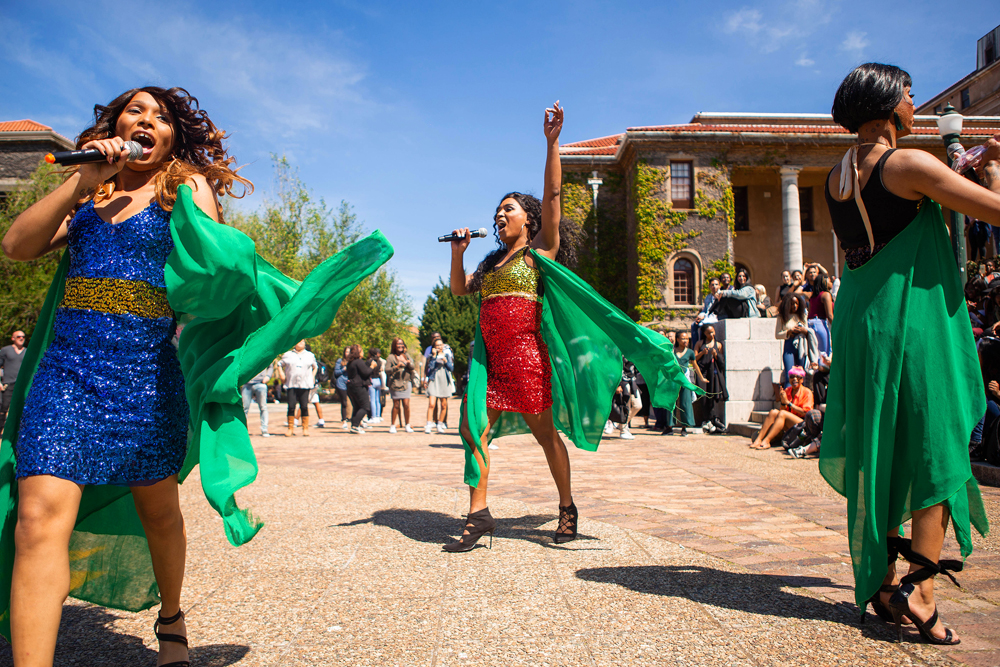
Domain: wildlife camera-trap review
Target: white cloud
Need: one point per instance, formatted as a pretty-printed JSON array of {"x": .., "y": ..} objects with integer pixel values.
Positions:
[
  {"x": 805, "y": 61},
  {"x": 855, "y": 43},
  {"x": 796, "y": 20},
  {"x": 745, "y": 20}
]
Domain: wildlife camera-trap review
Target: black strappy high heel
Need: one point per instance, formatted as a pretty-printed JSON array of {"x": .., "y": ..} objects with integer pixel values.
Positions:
[
  {"x": 568, "y": 519},
  {"x": 894, "y": 544},
  {"x": 478, "y": 524},
  {"x": 167, "y": 637},
  {"x": 899, "y": 603}
]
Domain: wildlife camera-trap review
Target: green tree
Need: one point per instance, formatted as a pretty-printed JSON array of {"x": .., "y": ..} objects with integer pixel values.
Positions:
[
  {"x": 295, "y": 232},
  {"x": 454, "y": 317},
  {"x": 26, "y": 283}
]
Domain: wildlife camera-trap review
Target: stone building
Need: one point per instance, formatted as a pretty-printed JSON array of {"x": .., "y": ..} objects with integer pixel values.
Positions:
[
  {"x": 977, "y": 94},
  {"x": 23, "y": 145},
  {"x": 676, "y": 202}
]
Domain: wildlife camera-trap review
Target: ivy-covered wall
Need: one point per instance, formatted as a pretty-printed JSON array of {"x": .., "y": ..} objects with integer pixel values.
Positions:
[{"x": 603, "y": 246}]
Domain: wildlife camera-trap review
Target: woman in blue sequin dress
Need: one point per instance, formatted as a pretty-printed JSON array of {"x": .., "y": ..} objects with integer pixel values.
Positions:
[{"x": 107, "y": 404}]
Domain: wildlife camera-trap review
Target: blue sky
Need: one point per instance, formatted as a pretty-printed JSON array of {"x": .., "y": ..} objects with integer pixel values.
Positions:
[{"x": 422, "y": 114}]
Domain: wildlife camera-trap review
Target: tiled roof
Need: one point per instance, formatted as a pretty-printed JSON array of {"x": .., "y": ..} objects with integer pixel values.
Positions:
[
  {"x": 22, "y": 126},
  {"x": 780, "y": 125}
]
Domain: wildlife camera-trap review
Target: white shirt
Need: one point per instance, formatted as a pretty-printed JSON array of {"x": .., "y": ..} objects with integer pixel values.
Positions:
[{"x": 300, "y": 369}]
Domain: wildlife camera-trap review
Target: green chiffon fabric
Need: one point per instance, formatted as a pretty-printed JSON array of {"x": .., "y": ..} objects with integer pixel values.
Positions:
[
  {"x": 905, "y": 393},
  {"x": 587, "y": 338},
  {"x": 243, "y": 313}
]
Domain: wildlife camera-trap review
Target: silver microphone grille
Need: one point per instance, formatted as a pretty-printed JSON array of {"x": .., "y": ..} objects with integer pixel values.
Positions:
[
  {"x": 482, "y": 232},
  {"x": 134, "y": 149}
]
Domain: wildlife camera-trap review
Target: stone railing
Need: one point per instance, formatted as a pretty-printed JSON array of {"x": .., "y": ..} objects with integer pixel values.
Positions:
[{"x": 753, "y": 364}]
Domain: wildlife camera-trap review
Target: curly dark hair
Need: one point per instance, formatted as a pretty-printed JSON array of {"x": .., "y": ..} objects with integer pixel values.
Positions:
[
  {"x": 197, "y": 144},
  {"x": 785, "y": 308},
  {"x": 568, "y": 237}
]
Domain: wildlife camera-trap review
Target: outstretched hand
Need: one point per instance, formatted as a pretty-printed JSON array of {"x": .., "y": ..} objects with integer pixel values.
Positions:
[
  {"x": 460, "y": 244},
  {"x": 553, "y": 122}
]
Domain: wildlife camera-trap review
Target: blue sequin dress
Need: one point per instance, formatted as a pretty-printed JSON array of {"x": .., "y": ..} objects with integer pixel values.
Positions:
[{"x": 107, "y": 404}]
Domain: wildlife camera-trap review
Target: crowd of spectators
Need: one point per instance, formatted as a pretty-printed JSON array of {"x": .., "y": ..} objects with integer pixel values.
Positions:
[{"x": 982, "y": 297}]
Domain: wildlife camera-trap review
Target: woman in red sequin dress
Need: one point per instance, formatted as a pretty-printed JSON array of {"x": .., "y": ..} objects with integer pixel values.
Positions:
[{"x": 518, "y": 369}]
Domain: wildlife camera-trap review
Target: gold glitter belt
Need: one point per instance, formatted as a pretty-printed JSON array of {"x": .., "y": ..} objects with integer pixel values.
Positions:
[
  {"x": 521, "y": 295},
  {"x": 116, "y": 296}
]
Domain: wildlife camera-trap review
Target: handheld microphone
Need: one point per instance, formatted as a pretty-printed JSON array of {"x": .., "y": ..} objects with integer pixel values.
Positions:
[
  {"x": 477, "y": 234},
  {"x": 69, "y": 158}
]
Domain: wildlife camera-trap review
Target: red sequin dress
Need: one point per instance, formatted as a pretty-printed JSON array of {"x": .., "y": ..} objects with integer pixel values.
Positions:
[{"x": 519, "y": 376}]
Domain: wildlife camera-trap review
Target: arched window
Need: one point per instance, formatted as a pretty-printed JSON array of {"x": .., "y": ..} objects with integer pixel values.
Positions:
[{"x": 684, "y": 286}]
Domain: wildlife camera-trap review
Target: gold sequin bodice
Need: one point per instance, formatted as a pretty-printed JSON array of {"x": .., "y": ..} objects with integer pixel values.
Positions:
[{"x": 515, "y": 278}]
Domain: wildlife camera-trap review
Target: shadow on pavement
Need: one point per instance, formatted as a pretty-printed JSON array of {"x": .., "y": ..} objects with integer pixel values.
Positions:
[
  {"x": 87, "y": 637},
  {"x": 751, "y": 593},
  {"x": 447, "y": 446},
  {"x": 439, "y": 528}
]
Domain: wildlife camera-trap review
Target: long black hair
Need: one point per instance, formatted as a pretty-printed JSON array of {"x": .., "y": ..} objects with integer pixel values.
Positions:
[
  {"x": 568, "y": 237},
  {"x": 785, "y": 308},
  {"x": 870, "y": 92}
]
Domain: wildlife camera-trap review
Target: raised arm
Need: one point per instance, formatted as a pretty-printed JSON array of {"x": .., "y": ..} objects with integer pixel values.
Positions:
[
  {"x": 547, "y": 240},
  {"x": 42, "y": 228},
  {"x": 912, "y": 173},
  {"x": 459, "y": 280}
]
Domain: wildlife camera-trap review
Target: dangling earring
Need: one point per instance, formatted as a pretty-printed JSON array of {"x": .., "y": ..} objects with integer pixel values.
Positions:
[{"x": 899, "y": 123}]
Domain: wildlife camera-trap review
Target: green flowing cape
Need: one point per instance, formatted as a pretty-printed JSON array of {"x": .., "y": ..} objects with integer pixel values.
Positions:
[
  {"x": 905, "y": 392},
  {"x": 245, "y": 313},
  {"x": 587, "y": 337}
]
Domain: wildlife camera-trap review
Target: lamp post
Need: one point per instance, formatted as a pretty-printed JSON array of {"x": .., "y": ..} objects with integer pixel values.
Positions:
[
  {"x": 595, "y": 183},
  {"x": 950, "y": 126}
]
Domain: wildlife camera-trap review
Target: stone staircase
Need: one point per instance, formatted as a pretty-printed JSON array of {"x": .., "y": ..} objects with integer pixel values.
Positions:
[{"x": 748, "y": 429}]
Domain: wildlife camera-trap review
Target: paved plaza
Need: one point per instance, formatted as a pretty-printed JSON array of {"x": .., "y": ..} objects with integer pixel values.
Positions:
[{"x": 693, "y": 551}]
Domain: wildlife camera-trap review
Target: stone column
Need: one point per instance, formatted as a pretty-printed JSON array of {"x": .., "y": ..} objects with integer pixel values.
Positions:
[{"x": 791, "y": 220}]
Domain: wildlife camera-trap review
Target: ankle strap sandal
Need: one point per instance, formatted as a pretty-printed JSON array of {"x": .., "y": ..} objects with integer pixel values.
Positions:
[
  {"x": 167, "y": 637},
  {"x": 899, "y": 603}
]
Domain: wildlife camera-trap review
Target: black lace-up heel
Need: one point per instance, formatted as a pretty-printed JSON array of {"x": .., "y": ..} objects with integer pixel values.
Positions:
[
  {"x": 568, "y": 518},
  {"x": 167, "y": 637},
  {"x": 899, "y": 603},
  {"x": 478, "y": 524},
  {"x": 895, "y": 545}
]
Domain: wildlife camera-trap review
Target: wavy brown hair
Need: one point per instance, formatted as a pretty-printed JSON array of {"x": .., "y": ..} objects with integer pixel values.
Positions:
[
  {"x": 353, "y": 352},
  {"x": 197, "y": 148}
]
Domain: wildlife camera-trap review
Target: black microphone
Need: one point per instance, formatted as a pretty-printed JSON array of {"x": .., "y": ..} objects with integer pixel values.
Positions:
[
  {"x": 69, "y": 158},
  {"x": 477, "y": 234}
]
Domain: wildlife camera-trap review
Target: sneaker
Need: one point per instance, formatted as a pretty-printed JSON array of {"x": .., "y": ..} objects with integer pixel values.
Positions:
[
  {"x": 491, "y": 446},
  {"x": 320, "y": 424},
  {"x": 441, "y": 426},
  {"x": 409, "y": 429},
  {"x": 346, "y": 424},
  {"x": 626, "y": 434},
  {"x": 365, "y": 421},
  {"x": 798, "y": 452},
  {"x": 392, "y": 429},
  {"x": 265, "y": 435},
  {"x": 357, "y": 429},
  {"x": 427, "y": 427},
  {"x": 684, "y": 432},
  {"x": 298, "y": 422},
  {"x": 708, "y": 428},
  {"x": 608, "y": 428},
  {"x": 719, "y": 426}
]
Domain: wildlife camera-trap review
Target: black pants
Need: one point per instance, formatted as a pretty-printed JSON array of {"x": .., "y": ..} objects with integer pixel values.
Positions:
[
  {"x": 342, "y": 395},
  {"x": 5, "y": 402},
  {"x": 299, "y": 396},
  {"x": 360, "y": 403}
]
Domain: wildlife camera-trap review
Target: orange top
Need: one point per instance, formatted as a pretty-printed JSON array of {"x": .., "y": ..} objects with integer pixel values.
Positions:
[{"x": 803, "y": 399}]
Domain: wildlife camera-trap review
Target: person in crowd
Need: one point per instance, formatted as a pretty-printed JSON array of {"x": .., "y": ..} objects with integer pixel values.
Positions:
[
  {"x": 10, "y": 364},
  {"x": 685, "y": 399},
  {"x": 821, "y": 308},
  {"x": 376, "y": 385},
  {"x": 359, "y": 373},
  {"x": 808, "y": 281},
  {"x": 906, "y": 301},
  {"x": 297, "y": 372},
  {"x": 792, "y": 328},
  {"x": 255, "y": 391},
  {"x": 989, "y": 357},
  {"x": 623, "y": 404},
  {"x": 399, "y": 370},
  {"x": 811, "y": 436},
  {"x": 763, "y": 300},
  {"x": 725, "y": 281},
  {"x": 784, "y": 288},
  {"x": 795, "y": 402},
  {"x": 440, "y": 385},
  {"x": 340, "y": 385},
  {"x": 797, "y": 280},
  {"x": 741, "y": 301},
  {"x": 991, "y": 307},
  {"x": 700, "y": 319},
  {"x": 976, "y": 298},
  {"x": 978, "y": 234},
  {"x": 435, "y": 336},
  {"x": 320, "y": 376},
  {"x": 711, "y": 360}
]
